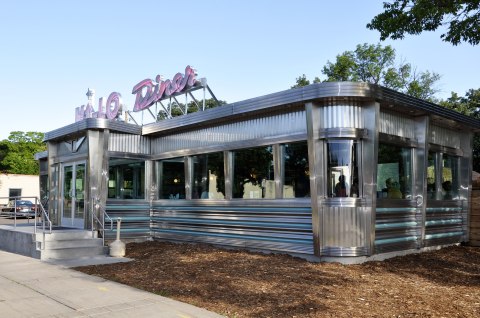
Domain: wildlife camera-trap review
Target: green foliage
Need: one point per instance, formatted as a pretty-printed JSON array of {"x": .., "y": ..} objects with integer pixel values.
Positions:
[
  {"x": 460, "y": 18},
  {"x": 303, "y": 81},
  {"x": 377, "y": 65},
  {"x": 468, "y": 105},
  {"x": 17, "y": 152}
]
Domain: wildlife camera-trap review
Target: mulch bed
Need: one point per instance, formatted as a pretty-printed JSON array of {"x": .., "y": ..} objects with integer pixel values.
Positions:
[{"x": 237, "y": 283}]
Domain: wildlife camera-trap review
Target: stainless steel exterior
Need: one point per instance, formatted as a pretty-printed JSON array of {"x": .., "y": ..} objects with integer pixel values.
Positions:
[
  {"x": 396, "y": 125},
  {"x": 267, "y": 225},
  {"x": 128, "y": 143},
  {"x": 318, "y": 226},
  {"x": 444, "y": 137},
  {"x": 285, "y": 127}
]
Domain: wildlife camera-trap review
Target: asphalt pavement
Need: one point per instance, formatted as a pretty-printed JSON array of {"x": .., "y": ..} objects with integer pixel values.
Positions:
[{"x": 32, "y": 288}]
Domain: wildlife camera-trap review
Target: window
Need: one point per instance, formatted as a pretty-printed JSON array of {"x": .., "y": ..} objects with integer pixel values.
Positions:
[
  {"x": 442, "y": 176},
  {"x": 208, "y": 176},
  {"x": 172, "y": 178},
  {"x": 342, "y": 168},
  {"x": 431, "y": 175},
  {"x": 297, "y": 176},
  {"x": 14, "y": 192},
  {"x": 449, "y": 177},
  {"x": 126, "y": 179},
  {"x": 394, "y": 172},
  {"x": 253, "y": 176}
]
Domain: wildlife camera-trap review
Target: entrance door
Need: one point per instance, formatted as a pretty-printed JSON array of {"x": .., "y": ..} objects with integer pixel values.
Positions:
[{"x": 73, "y": 192}]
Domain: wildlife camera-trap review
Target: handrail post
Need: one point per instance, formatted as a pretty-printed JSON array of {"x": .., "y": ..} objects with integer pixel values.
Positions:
[
  {"x": 15, "y": 213},
  {"x": 35, "y": 218}
]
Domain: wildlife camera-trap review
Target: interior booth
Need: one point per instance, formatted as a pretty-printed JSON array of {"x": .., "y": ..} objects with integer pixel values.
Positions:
[{"x": 330, "y": 171}]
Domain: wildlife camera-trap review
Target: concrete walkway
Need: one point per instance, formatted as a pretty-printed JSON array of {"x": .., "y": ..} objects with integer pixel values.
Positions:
[{"x": 32, "y": 288}]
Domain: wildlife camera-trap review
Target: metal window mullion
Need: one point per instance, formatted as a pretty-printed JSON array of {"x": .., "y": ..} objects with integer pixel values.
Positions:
[{"x": 279, "y": 169}]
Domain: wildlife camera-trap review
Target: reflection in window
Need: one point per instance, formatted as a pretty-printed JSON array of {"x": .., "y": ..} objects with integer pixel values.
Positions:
[
  {"x": 342, "y": 168},
  {"x": 296, "y": 180},
  {"x": 172, "y": 179},
  {"x": 208, "y": 176},
  {"x": 394, "y": 172},
  {"x": 253, "y": 176},
  {"x": 126, "y": 179},
  {"x": 431, "y": 175},
  {"x": 449, "y": 177}
]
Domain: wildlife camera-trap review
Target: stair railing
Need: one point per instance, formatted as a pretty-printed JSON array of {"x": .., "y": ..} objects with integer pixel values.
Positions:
[
  {"x": 100, "y": 222},
  {"x": 38, "y": 211},
  {"x": 45, "y": 219}
]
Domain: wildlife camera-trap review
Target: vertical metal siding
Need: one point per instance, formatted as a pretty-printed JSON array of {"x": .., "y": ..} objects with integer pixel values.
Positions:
[
  {"x": 339, "y": 114},
  {"x": 396, "y": 125},
  {"x": 344, "y": 227},
  {"x": 129, "y": 143},
  {"x": 258, "y": 128},
  {"x": 444, "y": 137}
]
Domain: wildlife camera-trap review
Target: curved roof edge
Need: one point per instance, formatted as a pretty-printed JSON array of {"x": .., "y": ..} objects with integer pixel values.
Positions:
[
  {"x": 92, "y": 123},
  {"x": 310, "y": 93}
]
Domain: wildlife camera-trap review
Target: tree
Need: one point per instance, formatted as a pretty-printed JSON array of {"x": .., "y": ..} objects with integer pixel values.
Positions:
[
  {"x": 303, "y": 81},
  {"x": 377, "y": 65},
  {"x": 461, "y": 19},
  {"x": 468, "y": 105},
  {"x": 17, "y": 152}
]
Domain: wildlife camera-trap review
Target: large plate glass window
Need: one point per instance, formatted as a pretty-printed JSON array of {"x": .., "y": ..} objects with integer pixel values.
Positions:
[
  {"x": 394, "y": 172},
  {"x": 126, "y": 179},
  {"x": 342, "y": 168},
  {"x": 172, "y": 178},
  {"x": 208, "y": 176},
  {"x": 297, "y": 176},
  {"x": 450, "y": 178},
  {"x": 253, "y": 173}
]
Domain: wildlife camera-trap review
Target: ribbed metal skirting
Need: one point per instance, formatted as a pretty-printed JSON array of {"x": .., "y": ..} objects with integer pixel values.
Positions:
[
  {"x": 135, "y": 220},
  {"x": 397, "y": 228},
  {"x": 287, "y": 229},
  {"x": 444, "y": 225}
]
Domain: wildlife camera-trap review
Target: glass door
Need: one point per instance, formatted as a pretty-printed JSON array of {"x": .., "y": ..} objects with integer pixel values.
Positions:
[{"x": 73, "y": 194}]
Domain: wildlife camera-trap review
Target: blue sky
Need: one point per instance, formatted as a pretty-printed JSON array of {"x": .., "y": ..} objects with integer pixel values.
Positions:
[{"x": 52, "y": 51}]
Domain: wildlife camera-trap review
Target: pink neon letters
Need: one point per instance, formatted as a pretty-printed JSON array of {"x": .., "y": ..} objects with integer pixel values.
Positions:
[
  {"x": 110, "y": 112},
  {"x": 148, "y": 92}
]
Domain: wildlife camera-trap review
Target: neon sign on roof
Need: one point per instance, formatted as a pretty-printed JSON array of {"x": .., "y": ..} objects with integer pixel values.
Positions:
[{"x": 147, "y": 92}]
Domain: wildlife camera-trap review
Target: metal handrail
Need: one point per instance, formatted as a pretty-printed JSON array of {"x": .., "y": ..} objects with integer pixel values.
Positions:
[
  {"x": 38, "y": 205},
  {"x": 98, "y": 221}
]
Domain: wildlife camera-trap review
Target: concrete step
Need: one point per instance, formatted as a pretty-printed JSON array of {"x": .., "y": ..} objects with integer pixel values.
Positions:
[
  {"x": 51, "y": 245},
  {"x": 58, "y": 235},
  {"x": 69, "y": 244},
  {"x": 72, "y": 253}
]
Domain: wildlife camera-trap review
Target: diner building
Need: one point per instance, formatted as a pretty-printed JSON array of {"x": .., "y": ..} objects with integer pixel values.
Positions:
[{"x": 338, "y": 171}]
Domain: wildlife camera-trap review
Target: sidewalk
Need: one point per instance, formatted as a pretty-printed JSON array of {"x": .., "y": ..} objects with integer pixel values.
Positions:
[{"x": 32, "y": 288}]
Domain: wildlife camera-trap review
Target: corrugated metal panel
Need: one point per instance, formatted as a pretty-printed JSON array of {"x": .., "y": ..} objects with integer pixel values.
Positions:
[
  {"x": 396, "y": 125},
  {"x": 342, "y": 114},
  {"x": 135, "y": 219},
  {"x": 397, "y": 228},
  {"x": 276, "y": 228},
  {"x": 444, "y": 224},
  {"x": 444, "y": 137},
  {"x": 344, "y": 227},
  {"x": 265, "y": 127},
  {"x": 129, "y": 143}
]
